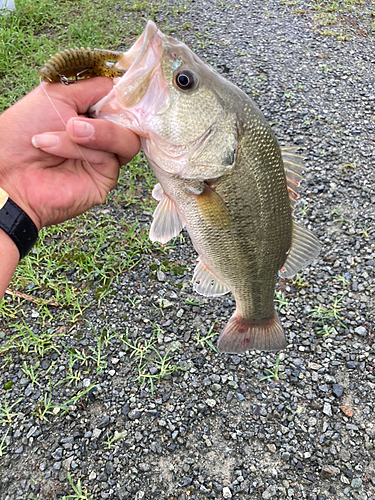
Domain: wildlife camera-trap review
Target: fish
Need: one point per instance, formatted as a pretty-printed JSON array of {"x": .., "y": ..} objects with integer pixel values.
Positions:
[
  {"x": 69, "y": 65},
  {"x": 221, "y": 175}
]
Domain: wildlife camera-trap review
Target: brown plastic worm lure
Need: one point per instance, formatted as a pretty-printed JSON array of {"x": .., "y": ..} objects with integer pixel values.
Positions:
[{"x": 70, "y": 65}]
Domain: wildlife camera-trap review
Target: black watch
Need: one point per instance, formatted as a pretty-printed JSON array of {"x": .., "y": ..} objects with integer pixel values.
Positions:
[{"x": 17, "y": 224}]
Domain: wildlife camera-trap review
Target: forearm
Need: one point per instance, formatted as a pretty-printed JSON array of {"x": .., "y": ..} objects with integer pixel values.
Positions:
[{"x": 9, "y": 257}]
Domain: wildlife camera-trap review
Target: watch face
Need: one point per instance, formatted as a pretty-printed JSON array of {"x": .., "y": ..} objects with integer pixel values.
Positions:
[{"x": 3, "y": 197}]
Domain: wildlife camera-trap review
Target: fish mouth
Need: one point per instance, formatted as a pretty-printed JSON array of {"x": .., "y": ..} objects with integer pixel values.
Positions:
[
  {"x": 137, "y": 51},
  {"x": 142, "y": 91}
]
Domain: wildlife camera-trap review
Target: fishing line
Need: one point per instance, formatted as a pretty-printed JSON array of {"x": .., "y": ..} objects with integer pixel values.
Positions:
[{"x": 61, "y": 118}]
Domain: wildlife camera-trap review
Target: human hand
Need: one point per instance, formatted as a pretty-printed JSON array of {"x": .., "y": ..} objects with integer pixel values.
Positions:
[{"x": 43, "y": 170}]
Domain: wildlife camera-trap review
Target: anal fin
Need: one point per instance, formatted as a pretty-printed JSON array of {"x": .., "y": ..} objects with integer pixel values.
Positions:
[
  {"x": 304, "y": 249},
  {"x": 206, "y": 283},
  {"x": 167, "y": 222}
]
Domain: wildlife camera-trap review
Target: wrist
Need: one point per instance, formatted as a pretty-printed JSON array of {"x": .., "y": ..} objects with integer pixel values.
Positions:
[
  {"x": 19, "y": 199},
  {"x": 9, "y": 260},
  {"x": 17, "y": 225},
  {"x": 8, "y": 246}
]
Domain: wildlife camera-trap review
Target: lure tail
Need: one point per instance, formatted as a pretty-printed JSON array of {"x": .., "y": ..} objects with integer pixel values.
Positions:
[{"x": 241, "y": 335}]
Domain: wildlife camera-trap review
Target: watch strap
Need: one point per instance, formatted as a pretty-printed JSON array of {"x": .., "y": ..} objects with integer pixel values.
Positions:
[{"x": 17, "y": 224}]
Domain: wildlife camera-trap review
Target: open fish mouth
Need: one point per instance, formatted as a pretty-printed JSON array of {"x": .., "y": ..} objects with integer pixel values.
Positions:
[
  {"x": 142, "y": 91},
  {"x": 136, "y": 53}
]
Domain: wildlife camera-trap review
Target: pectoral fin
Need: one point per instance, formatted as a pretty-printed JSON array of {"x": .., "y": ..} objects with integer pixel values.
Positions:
[
  {"x": 213, "y": 209},
  {"x": 206, "y": 283},
  {"x": 167, "y": 222},
  {"x": 304, "y": 249},
  {"x": 158, "y": 192}
]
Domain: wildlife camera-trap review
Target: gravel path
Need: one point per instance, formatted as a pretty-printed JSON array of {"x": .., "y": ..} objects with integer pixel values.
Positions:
[{"x": 216, "y": 429}]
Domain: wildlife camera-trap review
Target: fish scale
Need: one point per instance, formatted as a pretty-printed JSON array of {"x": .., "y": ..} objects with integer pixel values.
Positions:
[{"x": 221, "y": 176}]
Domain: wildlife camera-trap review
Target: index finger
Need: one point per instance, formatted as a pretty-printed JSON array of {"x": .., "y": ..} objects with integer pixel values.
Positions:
[{"x": 82, "y": 94}]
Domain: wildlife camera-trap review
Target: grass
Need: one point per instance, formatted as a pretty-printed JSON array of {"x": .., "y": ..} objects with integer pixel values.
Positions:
[
  {"x": 341, "y": 19},
  {"x": 3, "y": 445},
  {"x": 47, "y": 408},
  {"x": 109, "y": 443},
  {"x": 280, "y": 300},
  {"x": 79, "y": 492},
  {"x": 208, "y": 338},
  {"x": 71, "y": 268},
  {"x": 329, "y": 313},
  {"x": 298, "y": 281},
  {"x": 39, "y": 28},
  {"x": 6, "y": 414},
  {"x": 272, "y": 373},
  {"x": 152, "y": 365}
]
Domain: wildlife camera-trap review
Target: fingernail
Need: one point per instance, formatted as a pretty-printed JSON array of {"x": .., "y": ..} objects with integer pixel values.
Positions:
[
  {"x": 44, "y": 140},
  {"x": 83, "y": 129}
]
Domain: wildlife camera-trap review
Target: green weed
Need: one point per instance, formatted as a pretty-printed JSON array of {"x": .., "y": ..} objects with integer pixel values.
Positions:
[
  {"x": 342, "y": 279},
  {"x": 111, "y": 440},
  {"x": 161, "y": 364},
  {"x": 281, "y": 300},
  {"x": 339, "y": 18},
  {"x": 192, "y": 302},
  {"x": 330, "y": 312},
  {"x": 151, "y": 365},
  {"x": 210, "y": 335},
  {"x": 3, "y": 445},
  {"x": 6, "y": 415},
  {"x": 80, "y": 493},
  {"x": 298, "y": 281},
  {"x": 272, "y": 373},
  {"x": 31, "y": 373}
]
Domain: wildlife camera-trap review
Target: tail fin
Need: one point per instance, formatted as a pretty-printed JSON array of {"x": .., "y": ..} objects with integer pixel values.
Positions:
[{"x": 240, "y": 335}]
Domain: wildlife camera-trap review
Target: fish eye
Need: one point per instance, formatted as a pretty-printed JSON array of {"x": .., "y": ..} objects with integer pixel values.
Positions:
[{"x": 185, "y": 80}]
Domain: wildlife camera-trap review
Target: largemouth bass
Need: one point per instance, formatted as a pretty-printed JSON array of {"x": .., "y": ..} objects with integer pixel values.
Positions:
[{"x": 221, "y": 176}]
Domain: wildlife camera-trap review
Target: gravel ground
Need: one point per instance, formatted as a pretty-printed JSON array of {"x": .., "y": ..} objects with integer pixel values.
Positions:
[{"x": 211, "y": 427}]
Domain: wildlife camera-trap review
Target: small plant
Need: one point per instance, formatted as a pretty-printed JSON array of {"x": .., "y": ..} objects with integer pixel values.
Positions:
[
  {"x": 347, "y": 166},
  {"x": 303, "y": 210},
  {"x": 110, "y": 440},
  {"x": 3, "y": 445},
  {"x": 151, "y": 365},
  {"x": 162, "y": 365},
  {"x": 280, "y": 300},
  {"x": 98, "y": 356},
  {"x": 332, "y": 312},
  {"x": 6, "y": 415},
  {"x": 79, "y": 492},
  {"x": 298, "y": 281},
  {"x": 192, "y": 302},
  {"x": 210, "y": 335},
  {"x": 342, "y": 279},
  {"x": 134, "y": 301},
  {"x": 45, "y": 407},
  {"x": 272, "y": 374},
  {"x": 365, "y": 232},
  {"x": 30, "y": 372},
  {"x": 326, "y": 330},
  {"x": 73, "y": 376}
]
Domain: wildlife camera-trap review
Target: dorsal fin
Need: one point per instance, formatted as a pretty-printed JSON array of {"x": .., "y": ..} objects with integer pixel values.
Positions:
[{"x": 293, "y": 166}]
